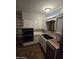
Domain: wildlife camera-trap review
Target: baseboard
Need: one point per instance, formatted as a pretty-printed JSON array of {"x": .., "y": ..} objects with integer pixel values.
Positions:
[{"x": 29, "y": 43}]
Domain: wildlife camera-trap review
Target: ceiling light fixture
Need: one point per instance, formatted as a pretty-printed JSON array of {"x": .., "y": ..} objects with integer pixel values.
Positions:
[{"x": 47, "y": 9}]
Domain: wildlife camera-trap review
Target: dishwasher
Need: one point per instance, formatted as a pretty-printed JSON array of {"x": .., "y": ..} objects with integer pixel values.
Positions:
[{"x": 50, "y": 51}]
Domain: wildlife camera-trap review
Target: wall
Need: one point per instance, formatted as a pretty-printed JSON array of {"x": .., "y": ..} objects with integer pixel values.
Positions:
[{"x": 33, "y": 20}]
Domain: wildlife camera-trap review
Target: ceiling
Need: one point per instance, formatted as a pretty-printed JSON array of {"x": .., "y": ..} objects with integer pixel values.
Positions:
[{"x": 38, "y": 5}]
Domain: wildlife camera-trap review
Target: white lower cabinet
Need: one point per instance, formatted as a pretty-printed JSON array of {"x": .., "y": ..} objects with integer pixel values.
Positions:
[
  {"x": 36, "y": 38},
  {"x": 43, "y": 43}
]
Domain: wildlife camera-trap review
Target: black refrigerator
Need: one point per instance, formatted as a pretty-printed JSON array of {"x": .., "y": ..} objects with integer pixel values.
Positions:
[{"x": 28, "y": 35}]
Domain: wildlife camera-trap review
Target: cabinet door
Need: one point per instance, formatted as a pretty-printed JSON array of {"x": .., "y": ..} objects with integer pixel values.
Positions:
[
  {"x": 59, "y": 25},
  {"x": 36, "y": 38},
  {"x": 43, "y": 43}
]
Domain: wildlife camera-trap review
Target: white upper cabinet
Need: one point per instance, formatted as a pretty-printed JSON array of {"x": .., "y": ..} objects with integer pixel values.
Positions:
[{"x": 59, "y": 27}]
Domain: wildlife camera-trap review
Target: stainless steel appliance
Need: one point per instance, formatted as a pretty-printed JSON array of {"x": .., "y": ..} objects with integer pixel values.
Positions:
[{"x": 50, "y": 51}]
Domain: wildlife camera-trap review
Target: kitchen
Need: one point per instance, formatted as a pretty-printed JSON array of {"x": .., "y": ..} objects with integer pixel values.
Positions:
[{"x": 40, "y": 23}]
